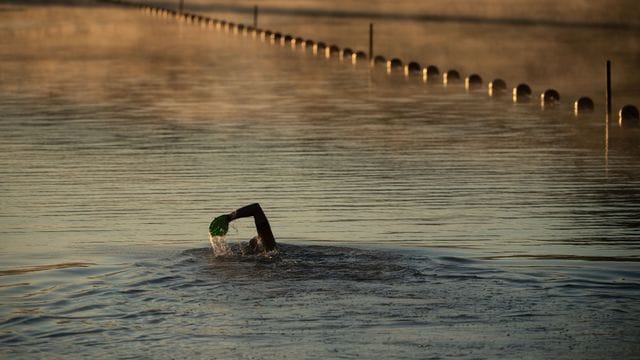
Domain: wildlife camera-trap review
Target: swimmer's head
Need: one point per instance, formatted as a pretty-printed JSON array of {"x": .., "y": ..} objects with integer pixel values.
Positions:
[{"x": 253, "y": 243}]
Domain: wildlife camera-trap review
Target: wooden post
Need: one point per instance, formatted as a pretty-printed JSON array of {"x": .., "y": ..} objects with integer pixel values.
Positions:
[
  {"x": 255, "y": 16},
  {"x": 180, "y": 6},
  {"x": 606, "y": 120},
  {"x": 609, "y": 95},
  {"x": 371, "y": 44}
]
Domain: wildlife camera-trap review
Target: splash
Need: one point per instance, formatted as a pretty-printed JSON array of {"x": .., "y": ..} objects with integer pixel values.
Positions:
[{"x": 219, "y": 246}]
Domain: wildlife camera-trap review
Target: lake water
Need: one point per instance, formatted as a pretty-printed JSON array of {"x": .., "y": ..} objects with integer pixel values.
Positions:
[{"x": 414, "y": 221}]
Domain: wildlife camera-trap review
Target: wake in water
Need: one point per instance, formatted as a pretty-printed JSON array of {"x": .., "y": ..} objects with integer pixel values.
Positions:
[{"x": 221, "y": 248}]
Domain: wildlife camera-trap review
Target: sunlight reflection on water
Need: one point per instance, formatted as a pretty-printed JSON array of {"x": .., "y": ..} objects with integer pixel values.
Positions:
[{"x": 113, "y": 137}]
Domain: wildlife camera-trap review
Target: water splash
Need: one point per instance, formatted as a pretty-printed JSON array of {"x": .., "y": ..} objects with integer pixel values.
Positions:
[{"x": 219, "y": 246}]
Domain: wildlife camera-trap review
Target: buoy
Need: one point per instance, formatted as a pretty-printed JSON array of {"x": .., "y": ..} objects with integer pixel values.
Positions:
[
  {"x": 379, "y": 60},
  {"x": 358, "y": 56},
  {"x": 308, "y": 44},
  {"x": 346, "y": 53},
  {"x": 394, "y": 64},
  {"x": 412, "y": 68},
  {"x": 628, "y": 116},
  {"x": 430, "y": 73},
  {"x": 472, "y": 82},
  {"x": 521, "y": 93},
  {"x": 549, "y": 98},
  {"x": 450, "y": 77},
  {"x": 332, "y": 50},
  {"x": 266, "y": 35},
  {"x": 583, "y": 105},
  {"x": 319, "y": 47},
  {"x": 275, "y": 38},
  {"x": 497, "y": 87},
  {"x": 287, "y": 39}
]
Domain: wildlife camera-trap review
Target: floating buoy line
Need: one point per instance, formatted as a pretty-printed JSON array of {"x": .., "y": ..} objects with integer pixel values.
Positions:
[{"x": 628, "y": 115}]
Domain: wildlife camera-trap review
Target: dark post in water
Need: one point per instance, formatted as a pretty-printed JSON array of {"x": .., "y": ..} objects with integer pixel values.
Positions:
[
  {"x": 371, "y": 44},
  {"x": 608, "y": 88},
  {"x": 255, "y": 16},
  {"x": 180, "y": 6}
]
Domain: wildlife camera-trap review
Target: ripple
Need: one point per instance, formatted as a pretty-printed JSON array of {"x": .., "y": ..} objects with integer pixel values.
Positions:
[
  {"x": 566, "y": 257},
  {"x": 410, "y": 217},
  {"x": 26, "y": 270}
]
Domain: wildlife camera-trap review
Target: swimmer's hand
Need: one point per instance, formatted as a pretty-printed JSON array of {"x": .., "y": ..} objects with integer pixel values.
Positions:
[{"x": 219, "y": 226}]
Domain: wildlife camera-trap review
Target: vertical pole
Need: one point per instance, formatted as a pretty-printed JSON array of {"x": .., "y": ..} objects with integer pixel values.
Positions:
[
  {"x": 255, "y": 16},
  {"x": 180, "y": 6},
  {"x": 609, "y": 95},
  {"x": 370, "y": 43},
  {"x": 606, "y": 121}
]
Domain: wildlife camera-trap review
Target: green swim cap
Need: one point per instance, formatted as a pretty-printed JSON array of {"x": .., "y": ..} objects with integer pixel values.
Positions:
[{"x": 219, "y": 226}]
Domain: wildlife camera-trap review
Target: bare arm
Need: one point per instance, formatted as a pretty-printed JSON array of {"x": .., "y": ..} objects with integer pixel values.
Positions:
[{"x": 265, "y": 236}]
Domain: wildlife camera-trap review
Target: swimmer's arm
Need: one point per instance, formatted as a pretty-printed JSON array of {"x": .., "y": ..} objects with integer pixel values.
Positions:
[
  {"x": 262, "y": 224},
  {"x": 246, "y": 211}
]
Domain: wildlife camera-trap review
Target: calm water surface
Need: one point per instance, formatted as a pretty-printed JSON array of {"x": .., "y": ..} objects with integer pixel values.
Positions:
[{"x": 415, "y": 221}]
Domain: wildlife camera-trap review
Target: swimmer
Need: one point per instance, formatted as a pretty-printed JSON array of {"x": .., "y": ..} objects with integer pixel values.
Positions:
[{"x": 264, "y": 241}]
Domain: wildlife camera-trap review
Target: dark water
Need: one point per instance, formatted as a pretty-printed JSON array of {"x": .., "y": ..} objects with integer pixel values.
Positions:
[
  {"x": 323, "y": 301},
  {"x": 415, "y": 221}
]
